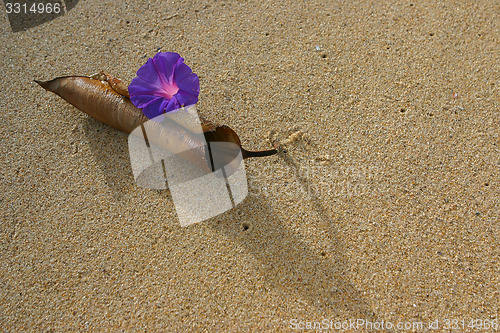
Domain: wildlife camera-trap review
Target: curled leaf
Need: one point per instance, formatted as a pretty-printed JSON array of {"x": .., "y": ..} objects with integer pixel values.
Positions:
[{"x": 97, "y": 99}]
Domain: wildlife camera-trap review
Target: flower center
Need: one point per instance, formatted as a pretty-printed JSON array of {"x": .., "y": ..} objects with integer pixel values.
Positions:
[{"x": 169, "y": 89}]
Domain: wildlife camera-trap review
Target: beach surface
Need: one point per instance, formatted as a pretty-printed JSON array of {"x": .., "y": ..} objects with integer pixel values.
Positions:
[{"x": 386, "y": 209}]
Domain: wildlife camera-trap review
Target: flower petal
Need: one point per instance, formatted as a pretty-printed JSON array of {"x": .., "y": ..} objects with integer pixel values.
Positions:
[
  {"x": 186, "y": 99},
  {"x": 149, "y": 74},
  {"x": 165, "y": 64},
  {"x": 142, "y": 101},
  {"x": 139, "y": 86},
  {"x": 190, "y": 84},
  {"x": 155, "y": 107},
  {"x": 181, "y": 71},
  {"x": 173, "y": 104}
]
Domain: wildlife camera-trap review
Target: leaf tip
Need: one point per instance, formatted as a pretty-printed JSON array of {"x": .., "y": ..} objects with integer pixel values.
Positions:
[
  {"x": 51, "y": 85},
  {"x": 43, "y": 84}
]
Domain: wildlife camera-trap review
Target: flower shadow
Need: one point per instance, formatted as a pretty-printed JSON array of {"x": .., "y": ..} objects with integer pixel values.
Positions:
[{"x": 289, "y": 265}]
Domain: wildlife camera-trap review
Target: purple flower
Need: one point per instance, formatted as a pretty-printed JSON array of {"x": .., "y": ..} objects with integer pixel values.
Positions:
[{"x": 164, "y": 83}]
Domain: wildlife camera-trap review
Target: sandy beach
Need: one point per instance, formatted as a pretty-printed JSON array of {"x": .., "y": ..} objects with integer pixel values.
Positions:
[{"x": 386, "y": 210}]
